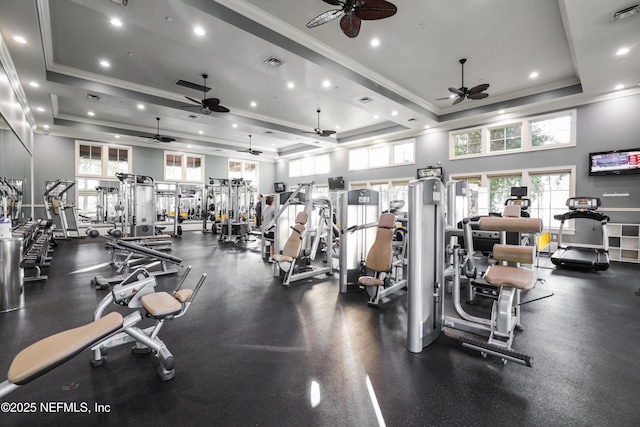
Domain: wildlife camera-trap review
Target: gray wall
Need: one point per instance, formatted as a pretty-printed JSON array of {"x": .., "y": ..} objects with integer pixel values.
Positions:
[{"x": 601, "y": 126}]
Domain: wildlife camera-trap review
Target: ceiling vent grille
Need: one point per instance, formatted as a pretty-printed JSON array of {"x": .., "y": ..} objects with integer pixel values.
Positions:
[
  {"x": 625, "y": 13},
  {"x": 92, "y": 97},
  {"x": 365, "y": 100},
  {"x": 273, "y": 62}
]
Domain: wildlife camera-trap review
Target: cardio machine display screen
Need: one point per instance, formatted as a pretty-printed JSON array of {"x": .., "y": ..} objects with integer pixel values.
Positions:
[{"x": 615, "y": 162}]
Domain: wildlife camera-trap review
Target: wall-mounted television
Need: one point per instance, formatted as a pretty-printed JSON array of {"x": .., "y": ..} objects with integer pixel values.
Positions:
[
  {"x": 336, "y": 183},
  {"x": 615, "y": 162},
  {"x": 279, "y": 187},
  {"x": 430, "y": 171}
]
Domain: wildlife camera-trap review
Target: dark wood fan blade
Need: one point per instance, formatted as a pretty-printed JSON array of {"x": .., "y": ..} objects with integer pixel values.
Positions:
[
  {"x": 219, "y": 109},
  {"x": 334, "y": 2},
  {"x": 477, "y": 95},
  {"x": 350, "y": 25},
  {"x": 255, "y": 152},
  {"x": 375, "y": 9},
  {"x": 165, "y": 139},
  {"x": 458, "y": 100},
  {"x": 325, "y": 17},
  {"x": 455, "y": 91},
  {"x": 442, "y": 99},
  {"x": 479, "y": 88},
  {"x": 327, "y": 133},
  {"x": 211, "y": 102},
  {"x": 193, "y": 100}
]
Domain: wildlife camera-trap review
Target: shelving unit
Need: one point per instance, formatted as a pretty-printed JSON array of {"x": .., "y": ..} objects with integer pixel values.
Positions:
[{"x": 624, "y": 241}]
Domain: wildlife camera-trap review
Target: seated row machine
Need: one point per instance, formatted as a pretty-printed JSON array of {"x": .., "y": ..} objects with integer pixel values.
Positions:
[
  {"x": 109, "y": 331},
  {"x": 434, "y": 256}
]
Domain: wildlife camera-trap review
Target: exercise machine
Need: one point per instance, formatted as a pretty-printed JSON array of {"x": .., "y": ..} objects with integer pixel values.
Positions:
[
  {"x": 108, "y": 331},
  {"x": 303, "y": 228},
  {"x": 57, "y": 209},
  {"x": 519, "y": 198},
  {"x": 138, "y": 204},
  {"x": 107, "y": 204},
  {"x": 11, "y": 195},
  {"x": 358, "y": 210},
  {"x": 587, "y": 256},
  {"x": 435, "y": 256},
  {"x": 384, "y": 267},
  {"x": 187, "y": 205}
]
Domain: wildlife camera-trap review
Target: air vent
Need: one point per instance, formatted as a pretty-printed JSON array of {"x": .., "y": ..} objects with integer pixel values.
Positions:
[
  {"x": 625, "y": 13},
  {"x": 120, "y": 2},
  {"x": 268, "y": 132},
  {"x": 193, "y": 117},
  {"x": 273, "y": 62},
  {"x": 365, "y": 100},
  {"x": 412, "y": 119},
  {"x": 191, "y": 85},
  {"x": 92, "y": 97}
]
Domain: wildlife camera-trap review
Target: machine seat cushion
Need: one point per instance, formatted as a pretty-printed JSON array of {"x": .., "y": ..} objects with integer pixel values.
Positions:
[
  {"x": 514, "y": 277},
  {"x": 518, "y": 225},
  {"x": 381, "y": 253},
  {"x": 282, "y": 258},
  {"x": 370, "y": 281},
  {"x": 155, "y": 237},
  {"x": 48, "y": 353},
  {"x": 160, "y": 304},
  {"x": 183, "y": 295}
]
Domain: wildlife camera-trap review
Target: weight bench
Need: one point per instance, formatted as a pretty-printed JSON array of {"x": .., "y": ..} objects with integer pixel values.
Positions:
[{"x": 108, "y": 331}]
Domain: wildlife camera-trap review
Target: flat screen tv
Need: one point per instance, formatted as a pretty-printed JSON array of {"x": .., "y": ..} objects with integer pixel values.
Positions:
[
  {"x": 279, "y": 187},
  {"x": 615, "y": 162},
  {"x": 430, "y": 171},
  {"x": 336, "y": 183}
]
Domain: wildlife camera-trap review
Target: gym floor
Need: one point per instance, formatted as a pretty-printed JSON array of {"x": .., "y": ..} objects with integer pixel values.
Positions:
[{"x": 252, "y": 353}]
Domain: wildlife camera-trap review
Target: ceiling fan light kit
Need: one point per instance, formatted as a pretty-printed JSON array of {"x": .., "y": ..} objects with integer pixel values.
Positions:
[{"x": 352, "y": 12}]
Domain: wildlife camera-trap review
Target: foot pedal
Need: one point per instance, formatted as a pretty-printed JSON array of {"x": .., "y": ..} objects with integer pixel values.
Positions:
[{"x": 495, "y": 350}]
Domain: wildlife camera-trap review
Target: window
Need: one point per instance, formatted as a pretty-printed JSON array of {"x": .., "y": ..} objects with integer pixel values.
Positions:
[
  {"x": 551, "y": 131},
  {"x": 548, "y": 189},
  {"x": 468, "y": 143},
  {"x": 313, "y": 165},
  {"x": 244, "y": 169},
  {"x": 391, "y": 154},
  {"x": 87, "y": 197},
  {"x": 505, "y": 138},
  {"x": 534, "y": 133},
  {"x": 101, "y": 160},
  {"x": 183, "y": 167}
]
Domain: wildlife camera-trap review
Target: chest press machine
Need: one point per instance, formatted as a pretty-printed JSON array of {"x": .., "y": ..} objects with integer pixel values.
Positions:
[
  {"x": 434, "y": 256},
  {"x": 108, "y": 331}
]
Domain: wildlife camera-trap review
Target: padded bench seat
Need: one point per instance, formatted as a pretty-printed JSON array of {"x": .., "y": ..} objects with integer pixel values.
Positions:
[
  {"x": 161, "y": 304},
  {"x": 48, "y": 353},
  {"x": 514, "y": 277}
]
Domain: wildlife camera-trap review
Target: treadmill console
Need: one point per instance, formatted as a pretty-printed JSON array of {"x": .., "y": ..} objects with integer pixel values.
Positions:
[{"x": 583, "y": 203}]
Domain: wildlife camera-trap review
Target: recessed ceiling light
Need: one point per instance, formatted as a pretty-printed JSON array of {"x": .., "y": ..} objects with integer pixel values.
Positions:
[
  {"x": 376, "y": 116},
  {"x": 452, "y": 96},
  {"x": 189, "y": 146},
  {"x": 375, "y": 42},
  {"x": 20, "y": 39},
  {"x": 427, "y": 127},
  {"x": 500, "y": 111},
  {"x": 199, "y": 31},
  {"x": 104, "y": 63},
  {"x": 91, "y": 113},
  {"x": 140, "y": 107},
  {"x": 116, "y": 22},
  {"x": 234, "y": 125},
  {"x": 326, "y": 83},
  {"x": 290, "y": 85},
  {"x": 117, "y": 136},
  {"x": 394, "y": 113},
  {"x": 200, "y": 132},
  {"x": 40, "y": 109},
  {"x": 619, "y": 86},
  {"x": 622, "y": 51},
  {"x": 253, "y": 104},
  {"x": 45, "y": 127},
  {"x": 34, "y": 84},
  {"x": 533, "y": 75},
  {"x": 337, "y": 126},
  {"x": 273, "y": 145}
]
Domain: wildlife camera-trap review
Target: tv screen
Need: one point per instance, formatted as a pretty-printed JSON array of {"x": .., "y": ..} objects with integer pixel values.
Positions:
[
  {"x": 279, "y": 187},
  {"x": 336, "y": 183},
  {"x": 615, "y": 162}
]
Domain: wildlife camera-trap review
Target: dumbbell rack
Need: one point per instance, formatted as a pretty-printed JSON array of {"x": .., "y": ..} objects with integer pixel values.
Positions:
[{"x": 36, "y": 247}]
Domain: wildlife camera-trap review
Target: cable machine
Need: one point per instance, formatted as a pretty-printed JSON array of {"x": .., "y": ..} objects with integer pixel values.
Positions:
[{"x": 138, "y": 204}]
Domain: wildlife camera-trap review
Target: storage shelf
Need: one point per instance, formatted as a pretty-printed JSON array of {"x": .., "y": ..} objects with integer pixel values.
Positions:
[{"x": 624, "y": 242}]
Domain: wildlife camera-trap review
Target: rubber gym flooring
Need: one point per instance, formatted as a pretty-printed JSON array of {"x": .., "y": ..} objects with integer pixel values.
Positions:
[{"x": 252, "y": 353}]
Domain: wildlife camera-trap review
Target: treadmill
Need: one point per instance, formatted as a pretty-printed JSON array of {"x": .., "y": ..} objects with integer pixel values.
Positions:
[{"x": 577, "y": 256}]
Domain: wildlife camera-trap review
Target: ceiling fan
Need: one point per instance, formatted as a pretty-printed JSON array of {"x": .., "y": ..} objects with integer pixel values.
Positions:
[
  {"x": 476, "y": 92},
  {"x": 250, "y": 150},
  {"x": 319, "y": 132},
  {"x": 157, "y": 137},
  {"x": 207, "y": 105},
  {"x": 353, "y": 12}
]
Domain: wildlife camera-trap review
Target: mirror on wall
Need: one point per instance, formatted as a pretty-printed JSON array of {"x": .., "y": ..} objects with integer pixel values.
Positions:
[{"x": 15, "y": 173}]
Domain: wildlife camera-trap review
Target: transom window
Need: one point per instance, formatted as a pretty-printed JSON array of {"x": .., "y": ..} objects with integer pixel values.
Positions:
[
  {"x": 383, "y": 155},
  {"x": 101, "y": 160},
  {"x": 244, "y": 169},
  {"x": 307, "y": 166},
  {"x": 183, "y": 167}
]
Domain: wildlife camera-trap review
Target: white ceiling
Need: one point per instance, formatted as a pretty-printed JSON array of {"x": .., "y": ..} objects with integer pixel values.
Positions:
[{"x": 571, "y": 44}]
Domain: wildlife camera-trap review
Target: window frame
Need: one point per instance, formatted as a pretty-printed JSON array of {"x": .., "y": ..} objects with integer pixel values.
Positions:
[
  {"x": 243, "y": 163},
  {"x": 358, "y": 153},
  {"x": 104, "y": 158},
  {"x": 315, "y": 163},
  {"x": 183, "y": 166}
]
